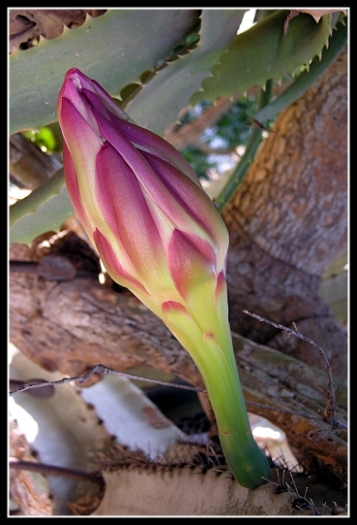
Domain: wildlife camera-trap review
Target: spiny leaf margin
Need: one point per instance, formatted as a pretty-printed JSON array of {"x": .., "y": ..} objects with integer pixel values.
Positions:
[
  {"x": 161, "y": 99},
  {"x": 45, "y": 209},
  {"x": 263, "y": 52},
  {"x": 102, "y": 48}
]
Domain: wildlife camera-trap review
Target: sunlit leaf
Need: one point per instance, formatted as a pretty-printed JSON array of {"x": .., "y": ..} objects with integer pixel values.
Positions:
[{"x": 263, "y": 52}]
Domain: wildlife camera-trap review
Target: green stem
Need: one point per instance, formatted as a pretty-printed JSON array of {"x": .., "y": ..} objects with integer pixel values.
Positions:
[
  {"x": 211, "y": 348},
  {"x": 246, "y": 461},
  {"x": 237, "y": 175}
]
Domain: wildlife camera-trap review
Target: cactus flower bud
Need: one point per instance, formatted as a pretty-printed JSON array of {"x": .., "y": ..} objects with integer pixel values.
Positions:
[{"x": 159, "y": 234}]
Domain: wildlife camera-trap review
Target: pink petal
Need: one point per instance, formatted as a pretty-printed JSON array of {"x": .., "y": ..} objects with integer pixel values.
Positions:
[
  {"x": 119, "y": 135},
  {"x": 191, "y": 261},
  {"x": 125, "y": 210},
  {"x": 82, "y": 141},
  {"x": 173, "y": 306},
  {"x": 113, "y": 265},
  {"x": 73, "y": 190},
  {"x": 191, "y": 203},
  {"x": 147, "y": 141}
]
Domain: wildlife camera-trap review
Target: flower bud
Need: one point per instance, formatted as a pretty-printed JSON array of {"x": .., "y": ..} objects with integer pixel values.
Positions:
[{"x": 159, "y": 234}]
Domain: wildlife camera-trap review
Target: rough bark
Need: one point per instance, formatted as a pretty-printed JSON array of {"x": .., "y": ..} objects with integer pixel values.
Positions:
[{"x": 288, "y": 221}]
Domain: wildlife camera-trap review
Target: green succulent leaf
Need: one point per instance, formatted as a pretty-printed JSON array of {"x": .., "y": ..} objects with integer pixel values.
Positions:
[
  {"x": 158, "y": 103},
  {"x": 264, "y": 52},
  {"x": 303, "y": 81},
  {"x": 102, "y": 48},
  {"x": 45, "y": 209}
]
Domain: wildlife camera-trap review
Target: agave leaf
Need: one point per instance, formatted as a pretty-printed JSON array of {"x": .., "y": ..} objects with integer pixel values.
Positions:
[
  {"x": 263, "y": 52},
  {"x": 65, "y": 430},
  {"x": 179, "y": 490},
  {"x": 61, "y": 429},
  {"x": 303, "y": 81},
  {"x": 129, "y": 415},
  {"x": 114, "y": 48},
  {"x": 318, "y": 13},
  {"x": 35, "y": 485},
  {"x": 160, "y": 100},
  {"x": 45, "y": 209}
]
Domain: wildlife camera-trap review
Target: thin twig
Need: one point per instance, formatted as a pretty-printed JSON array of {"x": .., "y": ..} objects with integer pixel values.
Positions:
[
  {"x": 55, "y": 470},
  {"x": 101, "y": 369},
  {"x": 329, "y": 412}
]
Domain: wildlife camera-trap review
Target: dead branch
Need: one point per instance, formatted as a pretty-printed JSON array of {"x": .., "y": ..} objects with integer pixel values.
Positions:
[{"x": 329, "y": 412}]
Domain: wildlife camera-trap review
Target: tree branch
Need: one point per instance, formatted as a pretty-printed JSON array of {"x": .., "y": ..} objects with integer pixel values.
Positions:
[{"x": 329, "y": 412}]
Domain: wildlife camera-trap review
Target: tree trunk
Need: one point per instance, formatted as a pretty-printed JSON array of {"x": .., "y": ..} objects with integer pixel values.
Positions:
[{"x": 288, "y": 221}]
